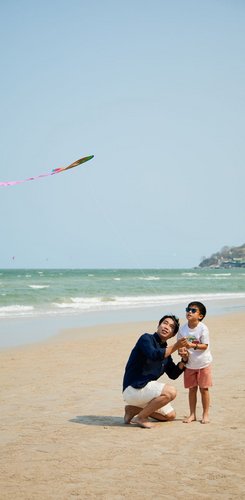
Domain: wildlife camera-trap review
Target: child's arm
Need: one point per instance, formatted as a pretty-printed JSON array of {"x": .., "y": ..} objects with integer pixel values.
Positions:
[{"x": 197, "y": 346}]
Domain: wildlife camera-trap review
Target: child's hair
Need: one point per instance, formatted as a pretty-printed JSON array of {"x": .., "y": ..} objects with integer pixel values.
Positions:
[
  {"x": 200, "y": 306},
  {"x": 175, "y": 320}
]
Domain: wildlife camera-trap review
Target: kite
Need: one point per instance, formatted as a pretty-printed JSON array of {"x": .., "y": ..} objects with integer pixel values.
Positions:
[{"x": 53, "y": 172}]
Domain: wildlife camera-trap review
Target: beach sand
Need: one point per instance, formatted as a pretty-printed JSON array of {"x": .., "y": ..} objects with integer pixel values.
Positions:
[{"x": 62, "y": 431}]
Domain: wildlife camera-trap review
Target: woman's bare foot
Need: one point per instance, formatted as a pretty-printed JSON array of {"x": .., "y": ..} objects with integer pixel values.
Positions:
[
  {"x": 191, "y": 418},
  {"x": 143, "y": 422},
  {"x": 130, "y": 412},
  {"x": 205, "y": 419}
]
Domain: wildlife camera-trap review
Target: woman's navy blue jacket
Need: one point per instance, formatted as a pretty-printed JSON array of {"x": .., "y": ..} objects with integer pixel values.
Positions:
[{"x": 146, "y": 362}]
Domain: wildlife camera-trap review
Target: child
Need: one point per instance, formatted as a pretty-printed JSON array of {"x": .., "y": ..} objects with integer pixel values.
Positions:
[{"x": 198, "y": 367}]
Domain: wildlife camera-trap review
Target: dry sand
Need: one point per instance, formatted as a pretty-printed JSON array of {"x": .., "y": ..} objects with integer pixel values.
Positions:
[{"x": 62, "y": 431}]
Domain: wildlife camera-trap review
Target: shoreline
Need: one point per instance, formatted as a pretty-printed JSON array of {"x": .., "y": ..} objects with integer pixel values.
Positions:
[{"x": 24, "y": 331}]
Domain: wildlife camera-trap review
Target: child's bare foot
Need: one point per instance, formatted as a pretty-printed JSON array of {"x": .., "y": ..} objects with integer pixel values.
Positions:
[
  {"x": 205, "y": 419},
  {"x": 130, "y": 412},
  {"x": 191, "y": 418},
  {"x": 143, "y": 422}
]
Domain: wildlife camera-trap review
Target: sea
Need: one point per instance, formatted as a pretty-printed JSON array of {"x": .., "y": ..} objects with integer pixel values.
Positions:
[{"x": 35, "y": 303}]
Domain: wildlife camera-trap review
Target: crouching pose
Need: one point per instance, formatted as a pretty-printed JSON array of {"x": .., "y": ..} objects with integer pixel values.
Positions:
[{"x": 151, "y": 357}]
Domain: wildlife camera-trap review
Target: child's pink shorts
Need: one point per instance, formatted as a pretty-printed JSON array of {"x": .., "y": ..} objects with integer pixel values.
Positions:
[{"x": 201, "y": 378}]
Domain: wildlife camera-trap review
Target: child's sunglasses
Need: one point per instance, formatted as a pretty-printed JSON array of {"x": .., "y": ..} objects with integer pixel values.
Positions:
[{"x": 191, "y": 309}]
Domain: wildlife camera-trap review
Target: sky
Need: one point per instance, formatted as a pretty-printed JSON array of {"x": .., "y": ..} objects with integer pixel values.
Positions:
[{"x": 155, "y": 91}]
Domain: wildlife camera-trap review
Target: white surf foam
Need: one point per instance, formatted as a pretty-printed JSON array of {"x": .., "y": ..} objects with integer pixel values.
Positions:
[
  {"x": 15, "y": 310},
  {"x": 37, "y": 287}
]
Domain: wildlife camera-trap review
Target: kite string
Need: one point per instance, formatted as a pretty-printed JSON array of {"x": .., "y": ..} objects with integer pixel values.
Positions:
[{"x": 117, "y": 236}]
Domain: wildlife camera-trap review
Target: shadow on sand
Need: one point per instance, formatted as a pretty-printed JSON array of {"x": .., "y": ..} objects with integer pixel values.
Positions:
[
  {"x": 109, "y": 421},
  {"x": 100, "y": 420}
]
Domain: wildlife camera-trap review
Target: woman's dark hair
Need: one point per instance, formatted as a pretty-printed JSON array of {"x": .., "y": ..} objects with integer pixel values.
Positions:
[
  {"x": 200, "y": 306},
  {"x": 175, "y": 320}
]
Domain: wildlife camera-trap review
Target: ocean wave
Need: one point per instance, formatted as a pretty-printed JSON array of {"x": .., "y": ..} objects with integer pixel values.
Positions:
[
  {"x": 189, "y": 274},
  {"x": 15, "y": 310},
  {"x": 76, "y": 305},
  {"x": 222, "y": 274},
  {"x": 216, "y": 277},
  {"x": 129, "y": 302},
  {"x": 37, "y": 287},
  {"x": 149, "y": 278}
]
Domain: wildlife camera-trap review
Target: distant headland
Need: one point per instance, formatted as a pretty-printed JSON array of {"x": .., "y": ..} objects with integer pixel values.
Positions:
[{"x": 227, "y": 257}]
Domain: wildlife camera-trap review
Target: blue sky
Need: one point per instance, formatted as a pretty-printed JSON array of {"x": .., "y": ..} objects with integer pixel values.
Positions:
[{"x": 155, "y": 90}]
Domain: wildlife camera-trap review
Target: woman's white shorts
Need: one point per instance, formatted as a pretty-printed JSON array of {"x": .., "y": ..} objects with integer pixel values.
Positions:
[{"x": 141, "y": 397}]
